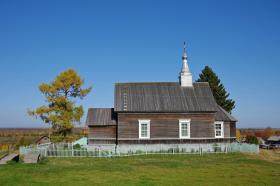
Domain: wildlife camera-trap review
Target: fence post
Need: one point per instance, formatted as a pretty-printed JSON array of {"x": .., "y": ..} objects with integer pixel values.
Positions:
[
  {"x": 72, "y": 151},
  {"x": 146, "y": 148},
  {"x": 226, "y": 148}
]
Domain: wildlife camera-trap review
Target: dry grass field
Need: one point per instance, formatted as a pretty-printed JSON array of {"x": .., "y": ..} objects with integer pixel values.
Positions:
[
  {"x": 15, "y": 137},
  {"x": 268, "y": 155}
]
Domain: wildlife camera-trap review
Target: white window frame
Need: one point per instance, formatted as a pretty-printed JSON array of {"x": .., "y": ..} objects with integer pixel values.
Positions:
[
  {"x": 148, "y": 128},
  {"x": 188, "y": 121},
  {"x": 222, "y": 128}
]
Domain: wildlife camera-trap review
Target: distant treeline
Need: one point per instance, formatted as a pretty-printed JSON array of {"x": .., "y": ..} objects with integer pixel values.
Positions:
[
  {"x": 33, "y": 131},
  {"x": 257, "y": 129},
  {"x": 254, "y": 135}
]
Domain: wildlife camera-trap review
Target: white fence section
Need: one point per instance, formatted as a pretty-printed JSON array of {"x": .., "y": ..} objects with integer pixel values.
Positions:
[{"x": 68, "y": 150}]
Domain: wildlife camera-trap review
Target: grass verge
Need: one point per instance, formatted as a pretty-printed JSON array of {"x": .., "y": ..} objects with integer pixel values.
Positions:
[{"x": 212, "y": 169}]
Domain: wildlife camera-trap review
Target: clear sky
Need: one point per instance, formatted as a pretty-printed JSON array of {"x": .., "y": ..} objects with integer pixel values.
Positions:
[{"x": 125, "y": 41}]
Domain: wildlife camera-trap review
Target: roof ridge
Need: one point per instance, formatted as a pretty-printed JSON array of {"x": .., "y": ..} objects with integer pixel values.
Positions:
[
  {"x": 155, "y": 82},
  {"x": 151, "y": 82}
]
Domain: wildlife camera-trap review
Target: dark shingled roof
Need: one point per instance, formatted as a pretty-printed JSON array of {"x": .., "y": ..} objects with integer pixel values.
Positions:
[
  {"x": 223, "y": 115},
  {"x": 164, "y": 97},
  {"x": 101, "y": 117}
]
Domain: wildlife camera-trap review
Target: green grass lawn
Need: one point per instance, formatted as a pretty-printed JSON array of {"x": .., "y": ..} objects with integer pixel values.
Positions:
[{"x": 215, "y": 169}]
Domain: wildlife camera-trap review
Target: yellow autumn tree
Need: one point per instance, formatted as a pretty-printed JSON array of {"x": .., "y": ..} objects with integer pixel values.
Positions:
[
  {"x": 60, "y": 111},
  {"x": 238, "y": 135}
]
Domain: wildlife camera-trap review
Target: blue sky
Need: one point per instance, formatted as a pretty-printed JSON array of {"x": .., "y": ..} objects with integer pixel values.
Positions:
[{"x": 125, "y": 41}]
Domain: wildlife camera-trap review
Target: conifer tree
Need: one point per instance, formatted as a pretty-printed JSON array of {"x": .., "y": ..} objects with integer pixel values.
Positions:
[
  {"x": 219, "y": 92},
  {"x": 60, "y": 111}
]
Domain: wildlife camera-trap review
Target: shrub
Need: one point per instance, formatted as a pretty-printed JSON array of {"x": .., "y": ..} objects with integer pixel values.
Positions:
[
  {"x": 252, "y": 139},
  {"x": 77, "y": 146},
  {"x": 56, "y": 138}
]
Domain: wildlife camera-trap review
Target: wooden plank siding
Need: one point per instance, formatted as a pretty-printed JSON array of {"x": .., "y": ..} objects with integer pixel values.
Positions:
[
  {"x": 232, "y": 129},
  {"x": 164, "y": 128},
  {"x": 226, "y": 129},
  {"x": 166, "y": 125},
  {"x": 229, "y": 129},
  {"x": 176, "y": 141},
  {"x": 102, "y": 134}
]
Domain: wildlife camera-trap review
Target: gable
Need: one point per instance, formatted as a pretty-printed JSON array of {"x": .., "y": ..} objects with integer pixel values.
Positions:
[{"x": 223, "y": 115}]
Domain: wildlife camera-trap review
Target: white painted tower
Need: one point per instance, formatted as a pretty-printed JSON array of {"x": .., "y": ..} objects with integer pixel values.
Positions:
[{"x": 185, "y": 77}]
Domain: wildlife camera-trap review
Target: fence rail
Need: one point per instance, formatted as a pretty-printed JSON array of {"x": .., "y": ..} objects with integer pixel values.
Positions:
[{"x": 67, "y": 150}]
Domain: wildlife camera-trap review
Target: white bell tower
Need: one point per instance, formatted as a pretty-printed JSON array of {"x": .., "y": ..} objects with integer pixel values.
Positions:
[{"x": 185, "y": 77}]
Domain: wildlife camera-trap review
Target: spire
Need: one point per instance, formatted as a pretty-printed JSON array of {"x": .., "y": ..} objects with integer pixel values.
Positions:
[
  {"x": 185, "y": 67},
  {"x": 185, "y": 75},
  {"x": 185, "y": 53}
]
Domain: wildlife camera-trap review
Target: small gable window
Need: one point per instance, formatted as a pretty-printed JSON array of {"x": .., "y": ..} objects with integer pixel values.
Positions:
[
  {"x": 219, "y": 129},
  {"x": 184, "y": 128},
  {"x": 144, "y": 129}
]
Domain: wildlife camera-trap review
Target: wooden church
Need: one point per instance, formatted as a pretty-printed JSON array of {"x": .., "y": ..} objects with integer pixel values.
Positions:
[{"x": 162, "y": 113}]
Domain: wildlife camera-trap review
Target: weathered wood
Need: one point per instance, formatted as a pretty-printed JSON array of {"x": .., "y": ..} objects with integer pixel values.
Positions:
[
  {"x": 226, "y": 129},
  {"x": 166, "y": 125},
  {"x": 164, "y": 97},
  {"x": 229, "y": 129},
  {"x": 177, "y": 141},
  {"x": 10, "y": 157},
  {"x": 233, "y": 129},
  {"x": 223, "y": 115},
  {"x": 31, "y": 158},
  {"x": 101, "y": 141},
  {"x": 102, "y": 134},
  {"x": 43, "y": 139},
  {"x": 101, "y": 117},
  {"x": 164, "y": 128}
]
